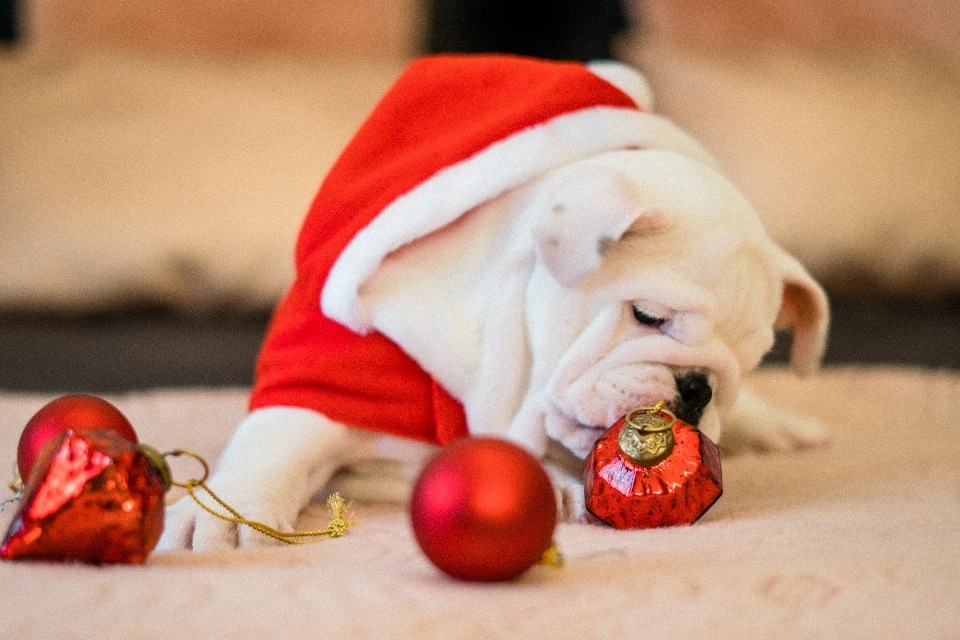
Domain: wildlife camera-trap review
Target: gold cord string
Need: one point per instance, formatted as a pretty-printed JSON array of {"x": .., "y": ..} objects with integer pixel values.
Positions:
[
  {"x": 657, "y": 408},
  {"x": 337, "y": 527},
  {"x": 338, "y": 508}
]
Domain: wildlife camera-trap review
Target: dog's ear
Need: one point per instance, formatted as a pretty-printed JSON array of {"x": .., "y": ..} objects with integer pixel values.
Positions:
[
  {"x": 805, "y": 311},
  {"x": 579, "y": 214}
]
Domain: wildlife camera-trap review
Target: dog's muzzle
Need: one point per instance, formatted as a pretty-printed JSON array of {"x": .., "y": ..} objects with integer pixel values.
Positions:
[{"x": 693, "y": 395}]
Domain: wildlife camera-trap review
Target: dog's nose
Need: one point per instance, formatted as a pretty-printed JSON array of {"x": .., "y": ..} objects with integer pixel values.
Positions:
[{"x": 693, "y": 396}]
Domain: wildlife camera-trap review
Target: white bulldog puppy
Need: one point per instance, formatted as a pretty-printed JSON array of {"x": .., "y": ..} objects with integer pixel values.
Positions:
[{"x": 549, "y": 311}]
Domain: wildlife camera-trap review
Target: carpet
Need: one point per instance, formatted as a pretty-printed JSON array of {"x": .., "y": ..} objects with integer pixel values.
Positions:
[{"x": 855, "y": 540}]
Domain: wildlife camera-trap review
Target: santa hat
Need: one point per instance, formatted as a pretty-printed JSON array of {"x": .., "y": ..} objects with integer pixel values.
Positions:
[
  {"x": 453, "y": 132},
  {"x": 456, "y": 131}
]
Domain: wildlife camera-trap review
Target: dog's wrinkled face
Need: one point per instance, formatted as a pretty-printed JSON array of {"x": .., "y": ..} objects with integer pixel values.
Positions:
[{"x": 655, "y": 281}]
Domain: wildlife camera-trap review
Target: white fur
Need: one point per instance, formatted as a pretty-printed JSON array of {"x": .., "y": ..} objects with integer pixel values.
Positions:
[
  {"x": 626, "y": 79},
  {"x": 522, "y": 308}
]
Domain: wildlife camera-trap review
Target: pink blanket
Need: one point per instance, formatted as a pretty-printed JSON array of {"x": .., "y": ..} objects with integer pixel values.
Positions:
[{"x": 859, "y": 539}]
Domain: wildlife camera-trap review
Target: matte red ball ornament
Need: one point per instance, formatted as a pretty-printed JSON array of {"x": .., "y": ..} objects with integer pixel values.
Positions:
[
  {"x": 91, "y": 497},
  {"x": 652, "y": 470},
  {"x": 77, "y": 413},
  {"x": 483, "y": 509}
]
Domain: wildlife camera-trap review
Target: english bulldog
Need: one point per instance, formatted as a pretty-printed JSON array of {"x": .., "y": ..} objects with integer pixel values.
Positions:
[{"x": 537, "y": 283}]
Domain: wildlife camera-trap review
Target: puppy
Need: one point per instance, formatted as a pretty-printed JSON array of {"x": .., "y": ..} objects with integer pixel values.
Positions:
[{"x": 536, "y": 283}]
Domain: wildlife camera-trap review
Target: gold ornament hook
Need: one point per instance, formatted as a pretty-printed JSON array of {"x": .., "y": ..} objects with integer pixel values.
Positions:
[
  {"x": 654, "y": 410},
  {"x": 176, "y": 453}
]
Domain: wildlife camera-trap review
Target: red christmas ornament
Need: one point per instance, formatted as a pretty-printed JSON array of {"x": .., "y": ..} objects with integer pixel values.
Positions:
[
  {"x": 93, "y": 494},
  {"x": 483, "y": 509},
  {"x": 652, "y": 470},
  {"x": 94, "y": 497},
  {"x": 78, "y": 413}
]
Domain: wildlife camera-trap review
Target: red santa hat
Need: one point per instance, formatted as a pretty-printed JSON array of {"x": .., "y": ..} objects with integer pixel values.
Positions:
[{"x": 452, "y": 133}]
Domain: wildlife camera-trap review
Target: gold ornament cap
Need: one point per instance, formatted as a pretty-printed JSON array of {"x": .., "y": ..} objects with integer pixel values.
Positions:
[{"x": 646, "y": 437}]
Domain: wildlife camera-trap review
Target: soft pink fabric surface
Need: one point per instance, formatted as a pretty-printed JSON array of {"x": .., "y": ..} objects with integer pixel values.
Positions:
[{"x": 858, "y": 540}]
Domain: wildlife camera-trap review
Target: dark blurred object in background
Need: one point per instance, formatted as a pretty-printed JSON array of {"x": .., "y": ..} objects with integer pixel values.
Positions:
[
  {"x": 147, "y": 348},
  {"x": 557, "y": 29},
  {"x": 125, "y": 350},
  {"x": 9, "y": 25}
]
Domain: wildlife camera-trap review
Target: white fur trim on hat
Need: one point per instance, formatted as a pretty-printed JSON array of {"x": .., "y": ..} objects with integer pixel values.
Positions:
[{"x": 626, "y": 79}]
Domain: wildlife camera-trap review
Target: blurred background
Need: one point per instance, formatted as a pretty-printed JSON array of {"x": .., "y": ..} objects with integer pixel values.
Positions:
[{"x": 156, "y": 158}]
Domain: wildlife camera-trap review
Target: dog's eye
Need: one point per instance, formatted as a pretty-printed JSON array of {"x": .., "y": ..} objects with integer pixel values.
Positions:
[{"x": 647, "y": 319}]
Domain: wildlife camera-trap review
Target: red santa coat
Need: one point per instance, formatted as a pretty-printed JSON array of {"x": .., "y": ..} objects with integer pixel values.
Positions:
[{"x": 451, "y": 132}]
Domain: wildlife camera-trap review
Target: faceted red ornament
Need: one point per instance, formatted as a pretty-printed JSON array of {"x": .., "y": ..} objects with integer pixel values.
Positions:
[
  {"x": 78, "y": 413},
  {"x": 483, "y": 509},
  {"x": 641, "y": 474},
  {"x": 93, "y": 497}
]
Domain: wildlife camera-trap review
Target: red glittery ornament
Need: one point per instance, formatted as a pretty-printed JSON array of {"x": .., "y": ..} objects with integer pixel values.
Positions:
[
  {"x": 483, "y": 509},
  {"x": 652, "y": 470},
  {"x": 93, "y": 497},
  {"x": 77, "y": 413}
]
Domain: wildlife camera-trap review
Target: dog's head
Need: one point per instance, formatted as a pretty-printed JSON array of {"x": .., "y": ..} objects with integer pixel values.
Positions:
[
  {"x": 614, "y": 282},
  {"x": 654, "y": 279}
]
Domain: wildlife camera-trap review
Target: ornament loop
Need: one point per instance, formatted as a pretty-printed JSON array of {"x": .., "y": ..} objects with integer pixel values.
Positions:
[
  {"x": 192, "y": 482},
  {"x": 646, "y": 437},
  {"x": 655, "y": 410}
]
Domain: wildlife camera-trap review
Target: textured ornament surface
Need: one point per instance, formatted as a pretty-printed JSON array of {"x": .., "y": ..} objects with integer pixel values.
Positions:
[
  {"x": 483, "y": 509},
  {"x": 677, "y": 490},
  {"x": 91, "y": 497}
]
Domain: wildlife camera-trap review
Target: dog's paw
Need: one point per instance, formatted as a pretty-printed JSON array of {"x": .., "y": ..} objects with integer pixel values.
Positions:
[
  {"x": 571, "y": 502},
  {"x": 275, "y": 461},
  {"x": 184, "y": 529},
  {"x": 756, "y": 425},
  {"x": 187, "y": 526}
]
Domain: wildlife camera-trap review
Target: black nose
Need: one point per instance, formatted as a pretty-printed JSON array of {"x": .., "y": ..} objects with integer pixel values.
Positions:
[{"x": 693, "y": 396}]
